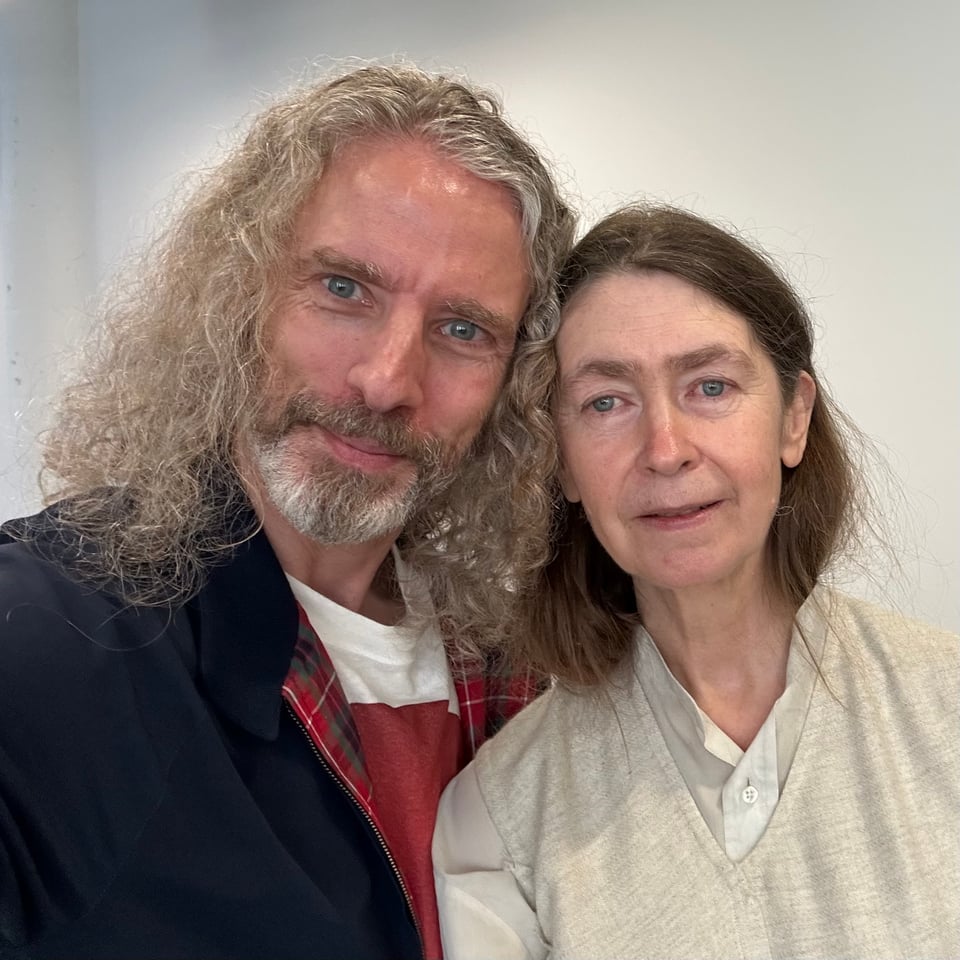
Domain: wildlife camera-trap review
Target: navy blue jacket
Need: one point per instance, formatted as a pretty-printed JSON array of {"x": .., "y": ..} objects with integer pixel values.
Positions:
[{"x": 157, "y": 798}]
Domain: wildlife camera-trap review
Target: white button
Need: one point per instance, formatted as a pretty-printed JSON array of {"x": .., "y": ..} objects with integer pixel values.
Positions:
[{"x": 750, "y": 794}]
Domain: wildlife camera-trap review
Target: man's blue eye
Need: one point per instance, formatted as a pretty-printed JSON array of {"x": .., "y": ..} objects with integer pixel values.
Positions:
[
  {"x": 602, "y": 404},
  {"x": 713, "y": 388},
  {"x": 342, "y": 287},
  {"x": 462, "y": 329}
]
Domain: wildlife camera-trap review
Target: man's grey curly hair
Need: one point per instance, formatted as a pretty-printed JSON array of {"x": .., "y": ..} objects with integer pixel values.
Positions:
[{"x": 144, "y": 451}]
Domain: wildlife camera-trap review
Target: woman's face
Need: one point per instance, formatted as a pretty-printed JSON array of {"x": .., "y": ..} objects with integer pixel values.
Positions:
[{"x": 673, "y": 431}]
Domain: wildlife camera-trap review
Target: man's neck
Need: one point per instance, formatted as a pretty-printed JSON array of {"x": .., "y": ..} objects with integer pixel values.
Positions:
[{"x": 358, "y": 576}]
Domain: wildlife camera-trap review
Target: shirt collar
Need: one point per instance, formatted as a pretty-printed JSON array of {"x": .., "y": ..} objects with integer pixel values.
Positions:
[{"x": 692, "y": 725}]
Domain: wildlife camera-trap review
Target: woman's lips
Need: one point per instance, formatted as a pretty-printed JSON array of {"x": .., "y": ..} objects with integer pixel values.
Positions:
[
  {"x": 681, "y": 511},
  {"x": 681, "y": 517}
]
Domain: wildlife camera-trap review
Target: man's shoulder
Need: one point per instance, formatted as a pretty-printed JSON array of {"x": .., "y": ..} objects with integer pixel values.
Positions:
[
  {"x": 39, "y": 599},
  {"x": 42, "y": 597},
  {"x": 65, "y": 642}
]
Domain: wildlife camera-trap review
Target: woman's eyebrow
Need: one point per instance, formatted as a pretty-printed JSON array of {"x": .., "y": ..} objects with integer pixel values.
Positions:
[
  {"x": 709, "y": 354},
  {"x": 613, "y": 368},
  {"x": 600, "y": 367}
]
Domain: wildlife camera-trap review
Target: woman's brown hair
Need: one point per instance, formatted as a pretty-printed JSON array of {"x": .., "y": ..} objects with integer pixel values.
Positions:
[{"x": 577, "y": 625}]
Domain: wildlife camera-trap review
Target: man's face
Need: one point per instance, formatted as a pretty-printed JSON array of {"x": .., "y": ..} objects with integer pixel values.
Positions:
[{"x": 390, "y": 341}]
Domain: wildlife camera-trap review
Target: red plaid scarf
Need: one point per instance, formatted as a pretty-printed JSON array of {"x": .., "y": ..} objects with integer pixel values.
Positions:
[{"x": 312, "y": 689}]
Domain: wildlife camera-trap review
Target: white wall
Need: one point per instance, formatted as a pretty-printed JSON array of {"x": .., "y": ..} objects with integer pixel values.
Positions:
[
  {"x": 827, "y": 129},
  {"x": 46, "y": 222}
]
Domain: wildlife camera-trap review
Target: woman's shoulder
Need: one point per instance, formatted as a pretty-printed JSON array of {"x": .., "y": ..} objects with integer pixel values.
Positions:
[
  {"x": 887, "y": 628},
  {"x": 905, "y": 656},
  {"x": 525, "y": 734},
  {"x": 565, "y": 738}
]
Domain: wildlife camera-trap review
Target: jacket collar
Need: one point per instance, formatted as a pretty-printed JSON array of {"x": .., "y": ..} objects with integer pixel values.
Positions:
[{"x": 247, "y": 631}]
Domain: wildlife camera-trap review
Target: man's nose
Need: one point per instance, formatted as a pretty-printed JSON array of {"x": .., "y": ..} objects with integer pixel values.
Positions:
[{"x": 389, "y": 373}]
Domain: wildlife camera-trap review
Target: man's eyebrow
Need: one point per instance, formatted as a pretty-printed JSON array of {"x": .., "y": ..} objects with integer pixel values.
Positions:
[
  {"x": 474, "y": 311},
  {"x": 334, "y": 261}
]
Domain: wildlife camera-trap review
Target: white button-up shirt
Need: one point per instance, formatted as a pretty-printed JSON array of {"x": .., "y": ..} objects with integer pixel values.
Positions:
[{"x": 735, "y": 790}]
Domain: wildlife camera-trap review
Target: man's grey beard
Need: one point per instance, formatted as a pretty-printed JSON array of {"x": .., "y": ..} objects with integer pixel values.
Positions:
[{"x": 332, "y": 503}]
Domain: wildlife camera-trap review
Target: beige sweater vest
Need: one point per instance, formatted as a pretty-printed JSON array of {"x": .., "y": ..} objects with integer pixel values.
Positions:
[{"x": 861, "y": 858}]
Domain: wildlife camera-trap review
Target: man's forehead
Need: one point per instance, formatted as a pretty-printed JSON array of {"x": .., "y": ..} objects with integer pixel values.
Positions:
[{"x": 424, "y": 223}]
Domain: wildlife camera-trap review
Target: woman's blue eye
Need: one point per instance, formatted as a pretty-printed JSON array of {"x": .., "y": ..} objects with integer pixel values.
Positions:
[
  {"x": 713, "y": 388},
  {"x": 461, "y": 329},
  {"x": 602, "y": 404},
  {"x": 342, "y": 287}
]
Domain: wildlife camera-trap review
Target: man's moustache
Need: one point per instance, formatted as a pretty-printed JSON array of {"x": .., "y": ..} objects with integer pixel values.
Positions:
[{"x": 354, "y": 419}]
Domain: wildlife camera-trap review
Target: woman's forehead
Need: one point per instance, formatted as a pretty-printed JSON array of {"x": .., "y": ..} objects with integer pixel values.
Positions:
[{"x": 647, "y": 315}]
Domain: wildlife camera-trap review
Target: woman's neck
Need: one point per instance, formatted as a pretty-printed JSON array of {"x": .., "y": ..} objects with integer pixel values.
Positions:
[{"x": 728, "y": 649}]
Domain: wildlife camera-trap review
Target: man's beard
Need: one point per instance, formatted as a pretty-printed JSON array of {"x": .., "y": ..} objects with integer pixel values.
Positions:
[{"x": 331, "y": 502}]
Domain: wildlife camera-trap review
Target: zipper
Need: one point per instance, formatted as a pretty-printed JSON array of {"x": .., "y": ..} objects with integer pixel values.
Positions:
[{"x": 370, "y": 821}]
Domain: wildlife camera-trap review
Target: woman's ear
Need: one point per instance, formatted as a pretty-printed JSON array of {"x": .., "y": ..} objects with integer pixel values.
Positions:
[
  {"x": 796, "y": 420},
  {"x": 567, "y": 485}
]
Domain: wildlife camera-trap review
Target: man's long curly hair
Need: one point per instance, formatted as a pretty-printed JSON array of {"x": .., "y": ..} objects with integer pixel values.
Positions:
[{"x": 144, "y": 452}]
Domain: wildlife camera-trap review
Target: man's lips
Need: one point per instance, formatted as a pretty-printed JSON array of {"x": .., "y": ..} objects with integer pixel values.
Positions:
[
  {"x": 365, "y": 445},
  {"x": 360, "y": 452}
]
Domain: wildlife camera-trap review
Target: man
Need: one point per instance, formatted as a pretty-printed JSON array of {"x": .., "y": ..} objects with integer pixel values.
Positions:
[{"x": 226, "y": 710}]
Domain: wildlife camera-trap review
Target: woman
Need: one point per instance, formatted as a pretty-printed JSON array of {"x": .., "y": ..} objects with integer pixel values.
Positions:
[{"x": 735, "y": 761}]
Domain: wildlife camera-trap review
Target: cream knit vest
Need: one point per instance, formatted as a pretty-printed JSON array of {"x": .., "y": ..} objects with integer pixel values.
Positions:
[{"x": 860, "y": 860}]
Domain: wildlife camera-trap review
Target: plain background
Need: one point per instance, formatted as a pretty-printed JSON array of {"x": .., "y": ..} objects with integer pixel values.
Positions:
[{"x": 827, "y": 131}]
